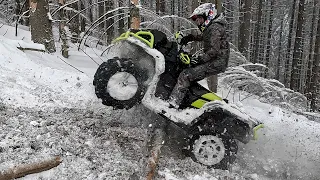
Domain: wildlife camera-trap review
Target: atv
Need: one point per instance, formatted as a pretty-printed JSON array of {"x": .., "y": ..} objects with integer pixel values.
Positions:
[{"x": 142, "y": 67}]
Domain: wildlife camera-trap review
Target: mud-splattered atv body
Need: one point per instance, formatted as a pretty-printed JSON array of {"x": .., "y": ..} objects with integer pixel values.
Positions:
[{"x": 143, "y": 67}]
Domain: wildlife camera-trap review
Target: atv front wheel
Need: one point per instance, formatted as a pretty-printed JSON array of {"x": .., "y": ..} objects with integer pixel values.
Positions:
[
  {"x": 213, "y": 150},
  {"x": 120, "y": 83}
]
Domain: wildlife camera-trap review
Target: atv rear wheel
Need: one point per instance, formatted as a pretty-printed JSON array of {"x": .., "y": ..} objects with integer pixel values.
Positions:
[
  {"x": 213, "y": 150},
  {"x": 120, "y": 83}
]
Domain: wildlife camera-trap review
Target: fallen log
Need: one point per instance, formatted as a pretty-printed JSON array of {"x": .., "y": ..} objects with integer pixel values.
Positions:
[
  {"x": 158, "y": 139},
  {"x": 31, "y": 49},
  {"x": 23, "y": 170}
]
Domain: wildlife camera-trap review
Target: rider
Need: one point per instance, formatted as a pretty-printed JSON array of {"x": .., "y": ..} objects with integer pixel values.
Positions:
[{"x": 216, "y": 50}]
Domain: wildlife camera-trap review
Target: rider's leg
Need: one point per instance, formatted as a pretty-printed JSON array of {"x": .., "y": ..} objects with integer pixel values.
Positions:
[{"x": 185, "y": 78}]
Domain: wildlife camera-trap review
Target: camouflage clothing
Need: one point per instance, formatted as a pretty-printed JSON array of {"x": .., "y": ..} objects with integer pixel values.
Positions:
[{"x": 213, "y": 61}]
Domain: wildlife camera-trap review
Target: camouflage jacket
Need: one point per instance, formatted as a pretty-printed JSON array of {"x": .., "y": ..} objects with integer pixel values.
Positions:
[{"x": 216, "y": 47}]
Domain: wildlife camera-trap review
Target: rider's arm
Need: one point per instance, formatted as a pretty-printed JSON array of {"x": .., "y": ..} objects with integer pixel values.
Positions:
[
  {"x": 213, "y": 43},
  {"x": 189, "y": 38},
  {"x": 198, "y": 37}
]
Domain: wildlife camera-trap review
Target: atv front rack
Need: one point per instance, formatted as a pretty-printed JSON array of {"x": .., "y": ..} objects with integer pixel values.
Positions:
[
  {"x": 144, "y": 36},
  {"x": 255, "y": 129}
]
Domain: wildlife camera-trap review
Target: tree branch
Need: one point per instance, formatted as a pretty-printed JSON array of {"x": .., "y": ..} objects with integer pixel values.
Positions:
[{"x": 30, "y": 49}]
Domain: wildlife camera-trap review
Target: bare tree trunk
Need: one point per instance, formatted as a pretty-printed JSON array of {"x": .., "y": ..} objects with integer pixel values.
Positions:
[
  {"x": 311, "y": 50},
  {"x": 160, "y": 7},
  {"x": 173, "y": 9},
  {"x": 110, "y": 31},
  {"x": 297, "y": 53},
  {"x": 41, "y": 27},
  {"x": 21, "y": 11},
  {"x": 269, "y": 37},
  {"x": 17, "y": 10},
  {"x": 101, "y": 11},
  {"x": 232, "y": 20},
  {"x": 151, "y": 4},
  {"x": 25, "y": 8},
  {"x": 82, "y": 20},
  {"x": 62, "y": 31},
  {"x": 213, "y": 83},
  {"x": 257, "y": 34},
  {"x": 121, "y": 21},
  {"x": 89, "y": 12},
  {"x": 315, "y": 77},
  {"x": 279, "y": 51},
  {"x": 75, "y": 24},
  {"x": 245, "y": 21},
  {"x": 95, "y": 10},
  {"x": 219, "y": 6},
  {"x": 180, "y": 6},
  {"x": 289, "y": 50},
  {"x": 103, "y": 8}
]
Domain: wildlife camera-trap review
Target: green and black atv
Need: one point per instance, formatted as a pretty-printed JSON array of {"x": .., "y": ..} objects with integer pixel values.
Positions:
[{"x": 143, "y": 67}]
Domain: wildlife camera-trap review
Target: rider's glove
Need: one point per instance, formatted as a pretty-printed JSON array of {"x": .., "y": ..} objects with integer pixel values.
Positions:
[
  {"x": 194, "y": 61},
  {"x": 184, "y": 40}
]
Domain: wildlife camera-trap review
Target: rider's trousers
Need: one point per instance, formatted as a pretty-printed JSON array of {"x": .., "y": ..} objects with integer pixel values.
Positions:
[{"x": 186, "y": 77}]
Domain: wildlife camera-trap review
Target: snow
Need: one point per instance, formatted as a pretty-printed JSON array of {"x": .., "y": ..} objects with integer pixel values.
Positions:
[
  {"x": 49, "y": 108},
  {"x": 22, "y": 44},
  {"x": 24, "y": 75},
  {"x": 289, "y": 140}
]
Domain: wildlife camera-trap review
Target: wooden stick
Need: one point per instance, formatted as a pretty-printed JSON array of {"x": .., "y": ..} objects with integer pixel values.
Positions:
[
  {"x": 30, "y": 49},
  {"x": 23, "y": 170},
  {"x": 155, "y": 153}
]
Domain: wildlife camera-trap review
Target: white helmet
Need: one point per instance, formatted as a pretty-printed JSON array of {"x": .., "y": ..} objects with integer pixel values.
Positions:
[{"x": 207, "y": 10}]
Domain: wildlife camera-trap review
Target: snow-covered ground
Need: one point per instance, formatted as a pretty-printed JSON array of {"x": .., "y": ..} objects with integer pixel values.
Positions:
[{"x": 49, "y": 108}]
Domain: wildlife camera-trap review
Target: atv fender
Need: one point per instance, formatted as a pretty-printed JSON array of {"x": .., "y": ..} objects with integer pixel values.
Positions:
[{"x": 224, "y": 118}]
